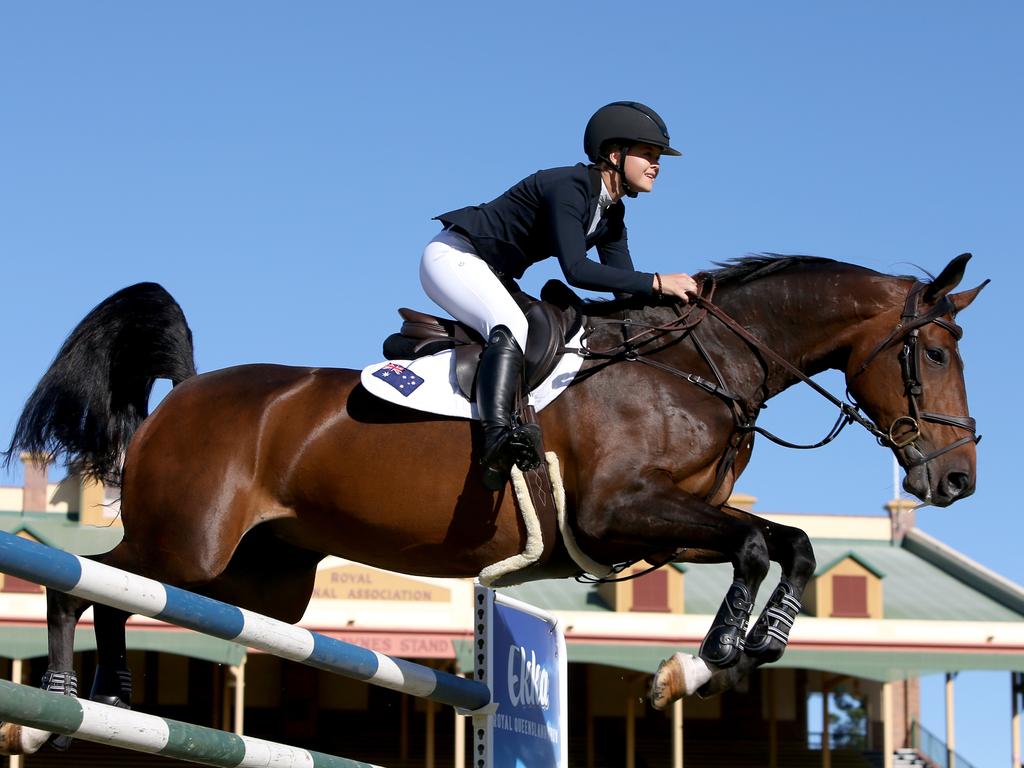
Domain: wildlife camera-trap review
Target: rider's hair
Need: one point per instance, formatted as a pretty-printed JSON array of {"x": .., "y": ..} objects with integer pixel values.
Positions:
[{"x": 606, "y": 149}]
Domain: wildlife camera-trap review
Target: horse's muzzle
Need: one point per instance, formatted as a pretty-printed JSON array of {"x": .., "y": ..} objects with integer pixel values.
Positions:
[{"x": 938, "y": 486}]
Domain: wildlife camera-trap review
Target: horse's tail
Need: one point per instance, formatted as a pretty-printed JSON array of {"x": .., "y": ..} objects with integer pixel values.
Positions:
[{"x": 96, "y": 392}]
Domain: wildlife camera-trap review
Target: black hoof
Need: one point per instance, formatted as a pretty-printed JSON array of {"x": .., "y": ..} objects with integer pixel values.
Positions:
[
  {"x": 60, "y": 742},
  {"x": 110, "y": 701}
]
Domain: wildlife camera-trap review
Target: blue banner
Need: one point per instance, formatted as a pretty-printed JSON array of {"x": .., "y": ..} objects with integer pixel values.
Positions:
[{"x": 526, "y": 674}]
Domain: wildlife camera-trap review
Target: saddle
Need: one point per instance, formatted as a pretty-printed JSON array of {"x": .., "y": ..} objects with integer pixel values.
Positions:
[{"x": 553, "y": 320}]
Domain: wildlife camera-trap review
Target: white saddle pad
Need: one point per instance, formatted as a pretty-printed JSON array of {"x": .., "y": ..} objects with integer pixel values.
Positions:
[{"x": 429, "y": 384}]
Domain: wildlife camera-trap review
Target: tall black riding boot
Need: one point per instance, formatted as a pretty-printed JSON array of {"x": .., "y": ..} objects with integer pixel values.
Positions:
[{"x": 497, "y": 383}]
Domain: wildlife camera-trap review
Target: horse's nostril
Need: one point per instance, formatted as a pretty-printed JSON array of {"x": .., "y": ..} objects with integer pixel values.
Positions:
[{"x": 957, "y": 483}]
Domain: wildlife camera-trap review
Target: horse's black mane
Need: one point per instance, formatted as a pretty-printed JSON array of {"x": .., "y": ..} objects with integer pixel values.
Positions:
[
  {"x": 746, "y": 269},
  {"x": 736, "y": 271}
]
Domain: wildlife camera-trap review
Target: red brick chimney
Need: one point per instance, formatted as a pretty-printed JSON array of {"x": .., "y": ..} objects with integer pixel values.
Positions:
[
  {"x": 36, "y": 480},
  {"x": 902, "y": 516}
]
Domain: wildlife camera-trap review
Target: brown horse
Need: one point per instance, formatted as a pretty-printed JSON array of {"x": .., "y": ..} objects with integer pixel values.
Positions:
[{"x": 244, "y": 478}]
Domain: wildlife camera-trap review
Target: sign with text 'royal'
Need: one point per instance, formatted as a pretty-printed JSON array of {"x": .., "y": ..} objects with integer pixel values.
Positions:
[{"x": 520, "y": 655}]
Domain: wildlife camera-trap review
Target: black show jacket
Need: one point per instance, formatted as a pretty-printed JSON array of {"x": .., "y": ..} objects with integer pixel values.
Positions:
[{"x": 548, "y": 214}]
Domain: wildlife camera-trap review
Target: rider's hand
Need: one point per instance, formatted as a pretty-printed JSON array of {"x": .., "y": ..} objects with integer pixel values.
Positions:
[{"x": 678, "y": 285}]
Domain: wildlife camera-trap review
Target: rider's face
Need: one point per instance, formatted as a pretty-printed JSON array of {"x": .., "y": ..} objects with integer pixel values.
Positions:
[{"x": 642, "y": 166}]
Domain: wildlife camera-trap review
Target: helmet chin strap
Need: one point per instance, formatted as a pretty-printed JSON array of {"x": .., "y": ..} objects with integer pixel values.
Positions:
[{"x": 620, "y": 167}]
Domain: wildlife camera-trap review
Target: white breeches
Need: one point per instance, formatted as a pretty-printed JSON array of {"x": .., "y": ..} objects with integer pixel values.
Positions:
[{"x": 462, "y": 284}]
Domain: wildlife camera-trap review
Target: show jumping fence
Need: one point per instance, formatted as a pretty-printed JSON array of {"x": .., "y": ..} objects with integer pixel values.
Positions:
[
  {"x": 124, "y": 728},
  {"x": 135, "y": 594}
]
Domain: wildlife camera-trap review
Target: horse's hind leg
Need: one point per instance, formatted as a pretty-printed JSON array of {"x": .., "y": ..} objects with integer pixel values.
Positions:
[
  {"x": 112, "y": 683},
  {"x": 767, "y": 640},
  {"x": 62, "y": 614}
]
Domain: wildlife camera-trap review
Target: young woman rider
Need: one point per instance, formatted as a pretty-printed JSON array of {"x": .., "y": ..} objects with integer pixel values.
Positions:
[{"x": 469, "y": 266}]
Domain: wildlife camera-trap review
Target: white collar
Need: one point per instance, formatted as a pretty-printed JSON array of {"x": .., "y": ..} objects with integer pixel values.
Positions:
[{"x": 604, "y": 200}]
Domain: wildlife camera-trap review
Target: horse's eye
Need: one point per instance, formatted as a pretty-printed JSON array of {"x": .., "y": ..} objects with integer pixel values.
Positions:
[{"x": 936, "y": 355}]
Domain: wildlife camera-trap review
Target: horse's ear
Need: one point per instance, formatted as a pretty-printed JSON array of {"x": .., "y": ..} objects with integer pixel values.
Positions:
[
  {"x": 947, "y": 280},
  {"x": 963, "y": 299}
]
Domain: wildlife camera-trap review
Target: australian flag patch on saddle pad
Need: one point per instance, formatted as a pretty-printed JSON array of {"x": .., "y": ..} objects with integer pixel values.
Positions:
[{"x": 399, "y": 377}]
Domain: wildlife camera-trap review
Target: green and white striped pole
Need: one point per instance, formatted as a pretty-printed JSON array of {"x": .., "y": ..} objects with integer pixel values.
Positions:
[{"x": 124, "y": 728}]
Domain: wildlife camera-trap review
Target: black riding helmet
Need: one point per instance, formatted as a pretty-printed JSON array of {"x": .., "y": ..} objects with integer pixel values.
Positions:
[{"x": 625, "y": 123}]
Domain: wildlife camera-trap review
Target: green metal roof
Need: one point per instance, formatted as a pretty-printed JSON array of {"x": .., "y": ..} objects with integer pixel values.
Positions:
[
  {"x": 914, "y": 588},
  {"x": 56, "y": 530},
  {"x": 850, "y": 554}
]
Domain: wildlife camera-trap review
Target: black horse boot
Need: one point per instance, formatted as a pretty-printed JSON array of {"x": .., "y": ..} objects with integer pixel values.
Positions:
[
  {"x": 723, "y": 643},
  {"x": 497, "y": 383},
  {"x": 768, "y": 639},
  {"x": 66, "y": 684}
]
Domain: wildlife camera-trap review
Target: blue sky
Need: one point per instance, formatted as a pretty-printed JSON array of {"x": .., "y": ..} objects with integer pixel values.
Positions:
[{"x": 277, "y": 166}]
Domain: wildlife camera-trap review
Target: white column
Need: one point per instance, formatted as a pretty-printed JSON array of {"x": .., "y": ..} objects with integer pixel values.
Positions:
[
  {"x": 950, "y": 723},
  {"x": 238, "y": 675},
  {"x": 887, "y": 726},
  {"x": 429, "y": 748},
  {"x": 460, "y": 736},
  {"x": 1017, "y": 689},
  {"x": 677, "y": 733},
  {"x": 460, "y": 741},
  {"x": 16, "y": 677}
]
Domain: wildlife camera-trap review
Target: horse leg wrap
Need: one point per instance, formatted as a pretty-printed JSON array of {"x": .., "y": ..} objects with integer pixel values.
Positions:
[
  {"x": 723, "y": 644},
  {"x": 66, "y": 684},
  {"x": 769, "y": 637},
  {"x": 112, "y": 687}
]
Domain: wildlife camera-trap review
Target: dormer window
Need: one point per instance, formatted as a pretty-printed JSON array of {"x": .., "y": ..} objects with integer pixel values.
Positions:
[
  {"x": 660, "y": 591},
  {"x": 650, "y": 592},
  {"x": 850, "y": 597},
  {"x": 847, "y": 587}
]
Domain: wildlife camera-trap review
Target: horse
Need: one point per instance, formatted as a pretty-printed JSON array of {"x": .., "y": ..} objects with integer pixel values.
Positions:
[{"x": 243, "y": 479}]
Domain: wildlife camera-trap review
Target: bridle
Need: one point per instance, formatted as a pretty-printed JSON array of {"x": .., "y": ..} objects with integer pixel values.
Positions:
[{"x": 905, "y": 431}]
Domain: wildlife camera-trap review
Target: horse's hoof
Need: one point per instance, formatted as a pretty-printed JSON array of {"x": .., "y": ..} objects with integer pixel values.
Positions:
[
  {"x": 678, "y": 676},
  {"x": 10, "y": 739},
  {"x": 60, "y": 742},
  {"x": 721, "y": 681},
  {"x": 20, "y": 739}
]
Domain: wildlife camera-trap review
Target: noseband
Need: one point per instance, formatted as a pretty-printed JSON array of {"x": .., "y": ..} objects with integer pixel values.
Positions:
[{"x": 905, "y": 431}]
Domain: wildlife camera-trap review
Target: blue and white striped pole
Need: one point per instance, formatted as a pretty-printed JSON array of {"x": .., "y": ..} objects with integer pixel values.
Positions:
[
  {"x": 126, "y": 729},
  {"x": 82, "y": 577}
]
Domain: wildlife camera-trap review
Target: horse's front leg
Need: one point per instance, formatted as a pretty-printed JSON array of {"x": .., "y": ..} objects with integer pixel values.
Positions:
[
  {"x": 655, "y": 516},
  {"x": 791, "y": 549}
]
